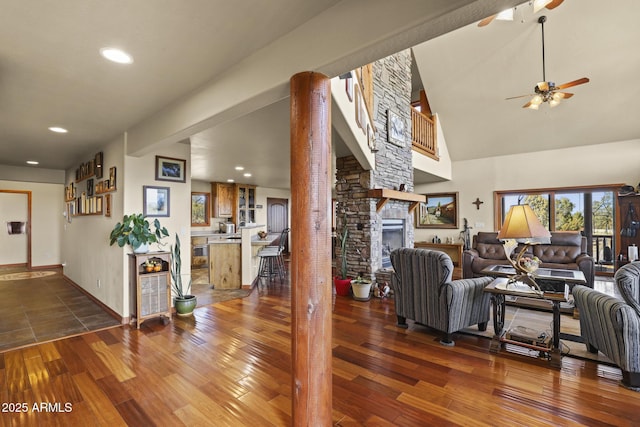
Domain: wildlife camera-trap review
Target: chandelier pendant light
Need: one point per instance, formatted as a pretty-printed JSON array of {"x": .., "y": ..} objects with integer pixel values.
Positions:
[{"x": 547, "y": 91}]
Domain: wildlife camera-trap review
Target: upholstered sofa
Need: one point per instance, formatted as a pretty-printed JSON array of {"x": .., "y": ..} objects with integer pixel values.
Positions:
[
  {"x": 612, "y": 325},
  {"x": 567, "y": 250},
  {"x": 425, "y": 293}
]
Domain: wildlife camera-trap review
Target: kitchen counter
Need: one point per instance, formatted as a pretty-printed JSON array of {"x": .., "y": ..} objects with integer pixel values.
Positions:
[{"x": 271, "y": 237}]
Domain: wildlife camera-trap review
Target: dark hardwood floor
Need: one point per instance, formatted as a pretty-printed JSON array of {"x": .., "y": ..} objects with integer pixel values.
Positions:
[{"x": 230, "y": 366}]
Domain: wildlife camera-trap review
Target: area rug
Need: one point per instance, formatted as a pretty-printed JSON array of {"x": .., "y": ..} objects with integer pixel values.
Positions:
[
  {"x": 25, "y": 275},
  {"x": 541, "y": 321}
]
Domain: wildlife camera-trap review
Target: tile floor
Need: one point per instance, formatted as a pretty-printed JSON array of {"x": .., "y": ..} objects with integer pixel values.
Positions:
[{"x": 46, "y": 308}]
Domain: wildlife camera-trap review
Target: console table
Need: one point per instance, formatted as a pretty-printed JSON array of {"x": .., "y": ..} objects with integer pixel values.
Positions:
[{"x": 498, "y": 290}]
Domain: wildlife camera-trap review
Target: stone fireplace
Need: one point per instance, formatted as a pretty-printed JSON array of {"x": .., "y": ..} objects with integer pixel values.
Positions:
[{"x": 369, "y": 240}]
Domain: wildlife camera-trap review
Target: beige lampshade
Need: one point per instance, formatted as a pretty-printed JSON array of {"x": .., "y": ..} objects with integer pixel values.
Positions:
[{"x": 522, "y": 225}]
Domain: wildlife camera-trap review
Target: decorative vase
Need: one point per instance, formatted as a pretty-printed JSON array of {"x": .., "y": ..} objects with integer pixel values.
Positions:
[
  {"x": 185, "y": 306},
  {"x": 361, "y": 290},
  {"x": 343, "y": 286}
]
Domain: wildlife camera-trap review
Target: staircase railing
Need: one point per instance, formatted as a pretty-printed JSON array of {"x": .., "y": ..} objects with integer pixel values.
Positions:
[{"x": 423, "y": 134}]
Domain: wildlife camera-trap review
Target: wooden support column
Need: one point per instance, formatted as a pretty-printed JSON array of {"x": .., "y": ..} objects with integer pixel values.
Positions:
[{"x": 311, "y": 282}]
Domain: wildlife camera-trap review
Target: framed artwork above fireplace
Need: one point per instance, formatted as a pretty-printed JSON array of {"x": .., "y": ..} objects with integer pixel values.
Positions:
[{"x": 439, "y": 211}]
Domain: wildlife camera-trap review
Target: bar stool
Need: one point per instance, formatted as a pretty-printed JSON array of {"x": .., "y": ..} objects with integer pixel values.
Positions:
[{"x": 271, "y": 260}]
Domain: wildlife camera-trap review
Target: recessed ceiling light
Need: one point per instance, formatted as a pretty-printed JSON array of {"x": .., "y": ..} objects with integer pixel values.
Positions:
[
  {"x": 247, "y": 174},
  {"x": 32, "y": 162},
  {"x": 116, "y": 55},
  {"x": 239, "y": 168},
  {"x": 230, "y": 180},
  {"x": 58, "y": 129}
]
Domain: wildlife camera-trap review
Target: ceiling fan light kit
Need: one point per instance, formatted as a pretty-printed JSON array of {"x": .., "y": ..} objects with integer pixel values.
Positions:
[{"x": 547, "y": 91}]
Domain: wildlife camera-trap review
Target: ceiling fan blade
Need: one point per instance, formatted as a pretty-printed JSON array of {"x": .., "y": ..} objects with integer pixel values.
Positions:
[
  {"x": 486, "y": 21},
  {"x": 573, "y": 83},
  {"x": 553, "y": 4},
  {"x": 527, "y": 105},
  {"x": 521, "y": 96}
]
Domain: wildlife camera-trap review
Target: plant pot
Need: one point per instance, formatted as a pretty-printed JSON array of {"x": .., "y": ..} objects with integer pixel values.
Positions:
[
  {"x": 142, "y": 249},
  {"x": 185, "y": 306},
  {"x": 361, "y": 290},
  {"x": 342, "y": 286}
]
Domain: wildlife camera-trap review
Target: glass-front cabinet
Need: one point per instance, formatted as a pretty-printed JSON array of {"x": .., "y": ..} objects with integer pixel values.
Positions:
[{"x": 246, "y": 210}]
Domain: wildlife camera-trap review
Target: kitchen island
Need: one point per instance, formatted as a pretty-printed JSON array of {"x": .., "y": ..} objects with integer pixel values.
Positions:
[{"x": 233, "y": 259}]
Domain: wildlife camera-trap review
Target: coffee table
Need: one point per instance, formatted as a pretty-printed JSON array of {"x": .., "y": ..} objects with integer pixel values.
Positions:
[
  {"x": 549, "y": 280},
  {"x": 500, "y": 288}
]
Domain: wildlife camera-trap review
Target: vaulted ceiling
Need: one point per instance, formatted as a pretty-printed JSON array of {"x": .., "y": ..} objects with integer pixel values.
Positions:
[{"x": 51, "y": 74}]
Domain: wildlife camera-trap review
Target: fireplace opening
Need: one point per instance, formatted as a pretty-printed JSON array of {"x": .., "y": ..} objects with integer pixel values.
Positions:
[{"x": 392, "y": 238}]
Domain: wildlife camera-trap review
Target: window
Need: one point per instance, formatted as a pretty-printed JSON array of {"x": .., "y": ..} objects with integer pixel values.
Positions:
[{"x": 589, "y": 210}]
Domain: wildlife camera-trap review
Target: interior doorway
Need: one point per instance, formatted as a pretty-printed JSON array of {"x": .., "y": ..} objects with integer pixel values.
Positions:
[
  {"x": 278, "y": 217},
  {"x": 15, "y": 234}
]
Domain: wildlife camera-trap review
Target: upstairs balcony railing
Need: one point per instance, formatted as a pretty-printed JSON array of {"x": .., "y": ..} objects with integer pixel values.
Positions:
[{"x": 423, "y": 134}]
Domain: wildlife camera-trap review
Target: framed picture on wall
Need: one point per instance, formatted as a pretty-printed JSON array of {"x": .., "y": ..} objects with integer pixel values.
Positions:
[
  {"x": 439, "y": 211},
  {"x": 169, "y": 169},
  {"x": 155, "y": 201},
  {"x": 396, "y": 133},
  {"x": 200, "y": 209}
]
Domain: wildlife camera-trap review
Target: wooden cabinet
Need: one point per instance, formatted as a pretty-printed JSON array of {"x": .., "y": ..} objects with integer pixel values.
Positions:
[
  {"x": 627, "y": 219},
  {"x": 225, "y": 265},
  {"x": 245, "y": 197},
  {"x": 222, "y": 200},
  {"x": 150, "y": 291},
  {"x": 454, "y": 250}
]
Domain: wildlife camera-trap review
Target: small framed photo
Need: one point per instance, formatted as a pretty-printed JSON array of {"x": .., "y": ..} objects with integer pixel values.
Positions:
[
  {"x": 112, "y": 178},
  {"x": 439, "y": 211},
  {"x": 155, "y": 201},
  {"x": 348, "y": 83},
  {"x": 396, "y": 132},
  {"x": 107, "y": 205},
  {"x": 199, "y": 209},
  {"x": 169, "y": 169},
  {"x": 98, "y": 163}
]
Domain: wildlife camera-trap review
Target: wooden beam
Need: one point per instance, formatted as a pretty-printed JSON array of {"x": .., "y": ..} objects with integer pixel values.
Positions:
[{"x": 311, "y": 282}]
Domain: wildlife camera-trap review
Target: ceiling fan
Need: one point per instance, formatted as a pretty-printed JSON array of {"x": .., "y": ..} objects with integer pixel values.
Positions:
[
  {"x": 546, "y": 91},
  {"x": 507, "y": 15}
]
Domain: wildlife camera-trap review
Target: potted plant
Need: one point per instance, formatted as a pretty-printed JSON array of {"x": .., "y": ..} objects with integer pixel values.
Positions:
[
  {"x": 136, "y": 231},
  {"x": 342, "y": 282},
  {"x": 184, "y": 302},
  {"x": 361, "y": 288}
]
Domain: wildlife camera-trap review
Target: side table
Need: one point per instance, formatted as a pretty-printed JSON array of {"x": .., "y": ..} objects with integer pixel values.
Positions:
[{"x": 498, "y": 290}]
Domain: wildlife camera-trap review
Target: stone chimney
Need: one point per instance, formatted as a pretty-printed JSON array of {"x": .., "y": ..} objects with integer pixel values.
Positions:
[{"x": 394, "y": 170}]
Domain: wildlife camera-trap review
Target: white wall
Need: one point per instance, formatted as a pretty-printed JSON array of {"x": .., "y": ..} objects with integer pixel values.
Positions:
[
  {"x": 87, "y": 256},
  {"x": 13, "y": 247},
  {"x": 90, "y": 262},
  {"x": 47, "y": 205},
  {"x": 601, "y": 164},
  {"x": 140, "y": 171}
]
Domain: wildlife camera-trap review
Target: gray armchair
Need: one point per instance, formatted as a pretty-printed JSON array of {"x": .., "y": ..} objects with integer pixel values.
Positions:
[
  {"x": 425, "y": 293},
  {"x": 612, "y": 325}
]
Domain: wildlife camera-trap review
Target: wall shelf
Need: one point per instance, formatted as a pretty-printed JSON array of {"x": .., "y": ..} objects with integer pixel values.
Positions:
[{"x": 385, "y": 194}]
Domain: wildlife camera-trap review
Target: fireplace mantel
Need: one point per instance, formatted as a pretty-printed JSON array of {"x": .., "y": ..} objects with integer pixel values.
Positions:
[{"x": 385, "y": 194}]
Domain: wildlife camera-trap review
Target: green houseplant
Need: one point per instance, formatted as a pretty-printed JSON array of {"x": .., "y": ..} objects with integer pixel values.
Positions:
[
  {"x": 184, "y": 302},
  {"x": 135, "y": 230},
  {"x": 342, "y": 282}
]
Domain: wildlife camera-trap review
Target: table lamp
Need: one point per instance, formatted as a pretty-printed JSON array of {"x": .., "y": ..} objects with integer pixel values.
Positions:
[{"x": 522, "y": 226}]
